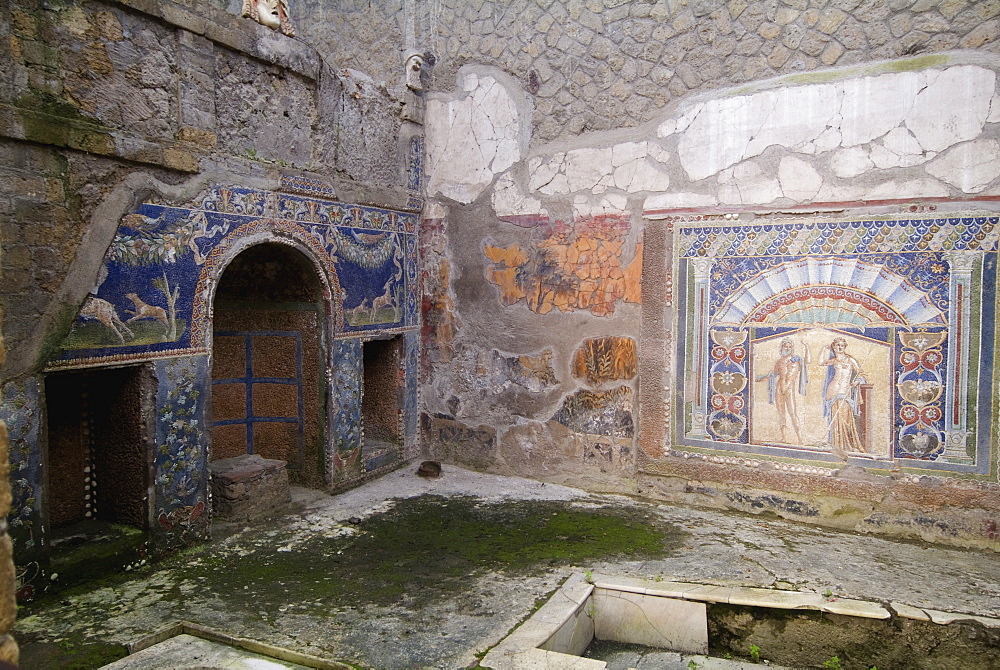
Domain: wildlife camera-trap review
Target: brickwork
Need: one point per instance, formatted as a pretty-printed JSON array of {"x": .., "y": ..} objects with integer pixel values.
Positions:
[{"x": 602, "y": 64}]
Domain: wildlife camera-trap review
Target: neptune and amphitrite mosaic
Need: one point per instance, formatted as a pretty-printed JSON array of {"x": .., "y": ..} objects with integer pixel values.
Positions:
[{"x": 870, "y": 340}]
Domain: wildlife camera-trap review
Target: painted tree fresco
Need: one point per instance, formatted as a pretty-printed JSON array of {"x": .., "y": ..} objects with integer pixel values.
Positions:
[
  {"x": 569, "y": 268},
  {"x": 840, "y": 341}
]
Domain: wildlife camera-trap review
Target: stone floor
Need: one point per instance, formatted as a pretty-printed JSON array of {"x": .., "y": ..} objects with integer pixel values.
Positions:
[{"x": 718, "y": 548}]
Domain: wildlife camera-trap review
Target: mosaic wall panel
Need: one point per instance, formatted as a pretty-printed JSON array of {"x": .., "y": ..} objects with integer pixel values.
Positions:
[
  {"x": 181, "y": 452},
  {"x": 347, "y": 382},
  {"x": 411, "y": 396},
  {"x": 863, "y": 340},
  {"x": 19, "y": 409},
  {"x": 155, "y": 283}
]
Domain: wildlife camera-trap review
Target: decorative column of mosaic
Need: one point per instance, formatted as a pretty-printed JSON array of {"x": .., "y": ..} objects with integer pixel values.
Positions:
[{"x": 867, "y": 340}]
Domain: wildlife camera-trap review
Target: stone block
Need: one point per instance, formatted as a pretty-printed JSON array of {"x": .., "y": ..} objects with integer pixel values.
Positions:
[
  {"x": 179, "y": 159},
  {"x": 248, "y": 487},
  {"x": 183, "y": 19},
  {"x": 203, "y": 138},
  {"x": 634, "y": 618},
  {"x": 8, "y": 650}
]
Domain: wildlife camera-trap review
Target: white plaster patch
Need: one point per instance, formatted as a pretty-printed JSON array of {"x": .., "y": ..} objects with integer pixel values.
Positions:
[
  {"x": 899, "y": 148},
  {"x": 851, "y": 162},
  {"x": 729, "y": 130},
  {"x": 953, "y": 107},
  {"x": 872, "y": 106},
  {"x": 636, "y": 167},
  {"x": 994, "y": 116},
  {"x": 828, "y": 140},
  {"x": 678, "y": 201},
  {"x": 630, "y": 167},
  {"x": 799, "y": 180},
  {"x": 547, "y": 174},
  {"x": 612, "y": 203},
  {"x": 585, "y": 168},
  {"x": 679, "y": 124},
  {"x": 471, "y": 138},
  {"x": 971, "y": 166},
  {"x": 509, "y": 200},
  {"x": 917, "y": 112},
  {"x": 903, "y": 190},
  {"x": 627, "y": 152},
  {"x": 434, "y": 210},
  {"x": 748, "y": 184},
  {"x": 839, "y": 192}
]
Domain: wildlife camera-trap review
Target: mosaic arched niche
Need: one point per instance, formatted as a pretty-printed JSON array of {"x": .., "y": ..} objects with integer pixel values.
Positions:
[
  {"x": 260, "y": 231},
  {"x": 915, "y": 295},
  {"x": 845, "y": 290},
  {"x": 269, "y": 337}
]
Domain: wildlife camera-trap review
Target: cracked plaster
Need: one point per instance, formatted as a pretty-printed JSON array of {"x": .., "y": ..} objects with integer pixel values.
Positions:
[
  {"x": 844, "y": 130},
  {"x": 971, "y": 166},
  {"x": 474, "y": 135}
]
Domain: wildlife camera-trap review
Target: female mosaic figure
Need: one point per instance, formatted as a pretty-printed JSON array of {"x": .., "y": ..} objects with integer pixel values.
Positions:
[{"x": 840, "y": 397}]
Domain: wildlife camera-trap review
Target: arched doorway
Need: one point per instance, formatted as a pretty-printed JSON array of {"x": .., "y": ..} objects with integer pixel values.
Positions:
[{"x": 268, "y": 336}]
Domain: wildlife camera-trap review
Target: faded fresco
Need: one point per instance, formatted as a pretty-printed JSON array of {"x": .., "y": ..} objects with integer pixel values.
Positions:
[
  {"x": 839, "y": 341},
  {"x": 603, "y": 359},
  {"x": 569, "y": 268}
]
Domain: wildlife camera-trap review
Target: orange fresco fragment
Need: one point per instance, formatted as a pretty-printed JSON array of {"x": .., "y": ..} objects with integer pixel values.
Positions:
[{"x": 570, "y": 269}]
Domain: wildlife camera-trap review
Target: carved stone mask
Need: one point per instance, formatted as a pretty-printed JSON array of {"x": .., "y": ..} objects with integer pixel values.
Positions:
[
  {"x": 414, "y": 64},
  {"x": 269, "y": 14}
]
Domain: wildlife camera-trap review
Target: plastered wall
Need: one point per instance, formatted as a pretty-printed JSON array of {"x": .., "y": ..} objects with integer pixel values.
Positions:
[{"x": 646, "y": 280}]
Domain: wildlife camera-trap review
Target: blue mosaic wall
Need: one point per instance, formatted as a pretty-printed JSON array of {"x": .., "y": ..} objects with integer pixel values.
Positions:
[
  {"x": 863, "y": 341},
  {"x": 181, "y": 453},
  {"x": 156, "y": 283},
  {"x": 345, "y": 459},
  {"x": 20, "y": 410},
  {"x": 153, "y": 304}
]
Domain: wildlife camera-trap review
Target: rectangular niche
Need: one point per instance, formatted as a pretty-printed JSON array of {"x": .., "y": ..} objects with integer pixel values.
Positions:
[
  {"x": 868, "y": 341},
  {"x": 382, "y": 393},
  {"x": 99, "y": 436}
]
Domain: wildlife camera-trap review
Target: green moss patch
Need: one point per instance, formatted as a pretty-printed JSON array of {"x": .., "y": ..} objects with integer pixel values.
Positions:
[
  {"x": 426, "y": 547},
  {"x": 419, "y": 552},
  {"x": 68, "y": 654}
]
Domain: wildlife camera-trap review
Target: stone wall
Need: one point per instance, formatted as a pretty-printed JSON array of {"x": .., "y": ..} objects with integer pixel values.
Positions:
[
  {"x": 604, "y": 64},
  {"x": 576, "y": 289},
  {"x": 143, "y": 146},
  {"x": 99, "y": 92}
]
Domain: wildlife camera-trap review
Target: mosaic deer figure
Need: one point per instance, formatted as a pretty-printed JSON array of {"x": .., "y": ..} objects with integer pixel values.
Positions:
[
  {"x": 144, "y": 310},
  {"x": 103, "y": 311},
  {"x": 387, "y": 299}
]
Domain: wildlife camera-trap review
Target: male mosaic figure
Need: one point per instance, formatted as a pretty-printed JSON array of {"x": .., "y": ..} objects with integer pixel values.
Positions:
[{"x": 785, "y": 383}]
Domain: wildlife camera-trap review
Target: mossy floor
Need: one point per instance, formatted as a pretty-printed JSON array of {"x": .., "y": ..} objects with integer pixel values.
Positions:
[
  {"x": 405, "y": 572},
  {"x": 417, "y": 552}
]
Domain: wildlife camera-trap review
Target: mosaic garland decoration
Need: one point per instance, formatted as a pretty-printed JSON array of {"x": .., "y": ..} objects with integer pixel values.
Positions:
[
  {"x": 862, "y": 340},
  {"x": 154, "y": 288}
]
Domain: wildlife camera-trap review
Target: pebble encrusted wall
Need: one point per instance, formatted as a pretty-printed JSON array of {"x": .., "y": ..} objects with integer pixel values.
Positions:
[{"x": 604, "y": 64}]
